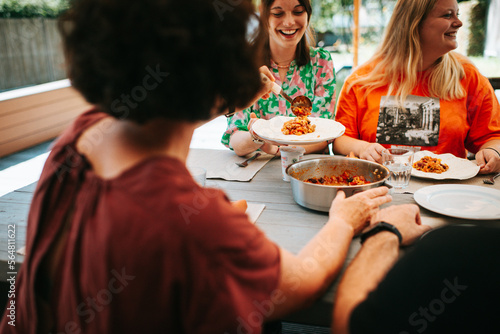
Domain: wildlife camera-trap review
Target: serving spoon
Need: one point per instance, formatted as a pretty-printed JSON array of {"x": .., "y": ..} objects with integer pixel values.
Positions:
[{"x": 301, "y": 105}]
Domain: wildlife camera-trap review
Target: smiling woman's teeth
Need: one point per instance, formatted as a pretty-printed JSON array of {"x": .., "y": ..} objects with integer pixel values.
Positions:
[{"x": 288, "y": 32}]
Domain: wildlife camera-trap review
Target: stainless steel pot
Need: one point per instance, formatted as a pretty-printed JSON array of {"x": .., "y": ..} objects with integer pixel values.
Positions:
[{"x": 319, "y": 197}]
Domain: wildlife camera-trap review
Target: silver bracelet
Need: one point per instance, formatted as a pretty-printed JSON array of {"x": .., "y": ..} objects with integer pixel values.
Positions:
[{"x": 256, "y": 141}]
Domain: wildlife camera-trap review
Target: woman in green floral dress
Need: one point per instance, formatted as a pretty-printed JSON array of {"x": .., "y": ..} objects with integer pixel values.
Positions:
[{"x": 294, "y": 65}]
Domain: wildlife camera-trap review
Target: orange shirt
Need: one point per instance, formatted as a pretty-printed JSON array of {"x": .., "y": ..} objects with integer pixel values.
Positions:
[{"x": 428, "y": 123}]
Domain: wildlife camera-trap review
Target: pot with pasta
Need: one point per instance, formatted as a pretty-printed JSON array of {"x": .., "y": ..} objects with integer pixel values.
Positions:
[{"x": 315, "y": 182}]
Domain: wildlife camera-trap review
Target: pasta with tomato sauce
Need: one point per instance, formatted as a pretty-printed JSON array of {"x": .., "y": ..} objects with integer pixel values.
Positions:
[
  {"x": 345, "y": 179},
  {"x": 430, "y": 165},
  {"x": 300, "y": 125}
]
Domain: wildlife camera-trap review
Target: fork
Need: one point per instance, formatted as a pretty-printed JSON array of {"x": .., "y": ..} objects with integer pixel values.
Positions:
[
  {"x": 245, "y": 163},
  {"x": 491, "y": 180}
]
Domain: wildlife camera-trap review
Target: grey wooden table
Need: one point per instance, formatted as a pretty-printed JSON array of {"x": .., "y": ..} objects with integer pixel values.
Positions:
[
  {"x": 14, "y": 209},
  {"x": 286, "y": 223},
  {"x": 292, "y": 226}
]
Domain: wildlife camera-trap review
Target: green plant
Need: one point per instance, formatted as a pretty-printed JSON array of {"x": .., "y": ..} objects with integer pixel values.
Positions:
[
  {"x": 478, "y": 28},
  {"x": 323, "y": 12},
  {"x": 32, "y": 8},
  {"x": 335, "y": 17}
]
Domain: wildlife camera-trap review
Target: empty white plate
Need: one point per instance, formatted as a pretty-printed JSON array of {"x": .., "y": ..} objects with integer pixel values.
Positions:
[{"x": 460, "y": 201}]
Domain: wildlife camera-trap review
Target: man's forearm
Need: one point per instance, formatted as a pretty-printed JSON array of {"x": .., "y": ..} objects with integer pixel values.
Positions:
[{"x": 376, "y": 257}]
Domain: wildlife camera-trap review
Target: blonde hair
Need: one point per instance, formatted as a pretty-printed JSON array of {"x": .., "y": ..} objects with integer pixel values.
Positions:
[{"x": 399, "y": 56}]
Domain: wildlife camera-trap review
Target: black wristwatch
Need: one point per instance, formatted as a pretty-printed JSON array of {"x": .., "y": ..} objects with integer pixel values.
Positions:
[{"x": 382, "y": 226}]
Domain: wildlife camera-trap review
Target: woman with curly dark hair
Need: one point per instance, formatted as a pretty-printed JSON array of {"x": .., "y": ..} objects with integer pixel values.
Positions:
[{"x": 120, "y": 238}]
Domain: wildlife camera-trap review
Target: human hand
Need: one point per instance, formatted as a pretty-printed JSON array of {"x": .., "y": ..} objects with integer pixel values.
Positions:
[
  {"x": 240, "y": 205},
  {"x": 270, "y": 147},
  {"x": 358, "y": 209},
  {"x": 488, "y": 161},
  {"x": 267, "y": 85},
  {"x": 253, "y": 119},
  {"x": 265, "y": 89},
  {"x": 372, "y": 152},
  {"x": 406, "y": 218}
]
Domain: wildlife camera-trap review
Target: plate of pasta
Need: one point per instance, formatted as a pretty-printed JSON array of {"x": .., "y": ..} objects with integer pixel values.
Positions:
[
  {"x": 322, "y": 130},
  {"x": 442, "y": 166}
]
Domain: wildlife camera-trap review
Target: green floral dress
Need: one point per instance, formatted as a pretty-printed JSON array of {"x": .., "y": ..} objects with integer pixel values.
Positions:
[{"x": 316, "y": 80}]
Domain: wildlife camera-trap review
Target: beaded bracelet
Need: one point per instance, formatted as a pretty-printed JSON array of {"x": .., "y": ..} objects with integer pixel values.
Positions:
[{"x": 491, "y": 148}]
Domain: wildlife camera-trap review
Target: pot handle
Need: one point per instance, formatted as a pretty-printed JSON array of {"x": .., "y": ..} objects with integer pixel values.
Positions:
[{"x": 388, "y": 186}]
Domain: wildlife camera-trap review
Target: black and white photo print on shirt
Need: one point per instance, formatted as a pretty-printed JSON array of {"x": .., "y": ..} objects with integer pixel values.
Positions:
[{"x": 416, "y": 124}]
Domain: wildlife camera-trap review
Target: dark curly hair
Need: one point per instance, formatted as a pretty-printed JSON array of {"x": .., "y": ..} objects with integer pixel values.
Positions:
[{"x": 142, "y": 59}]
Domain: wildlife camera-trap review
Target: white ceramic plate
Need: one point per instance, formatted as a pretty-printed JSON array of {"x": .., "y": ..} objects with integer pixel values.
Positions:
[
  {"x": 460, "y": 169},
  {"x": 460, "y": 201},
  {"x": 326, "y": 129}
]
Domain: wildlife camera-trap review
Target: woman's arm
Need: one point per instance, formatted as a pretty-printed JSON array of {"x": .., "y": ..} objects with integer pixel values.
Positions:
[
  {"x": 483, "y": 116},
  {"x": 315, "y": 148},
  {"x": 305, "y": 276},
  {"x": 369, "y": 151},
  {"x": 348, "y": 107},
  {"x": 488, "y": 157},
  {"x": 242, "y": 144}
]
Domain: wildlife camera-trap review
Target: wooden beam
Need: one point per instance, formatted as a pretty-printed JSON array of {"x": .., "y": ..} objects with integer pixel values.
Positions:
[{"x": 356, "y": 33}]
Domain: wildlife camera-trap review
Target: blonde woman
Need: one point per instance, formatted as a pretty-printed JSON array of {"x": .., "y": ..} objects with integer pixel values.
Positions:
[{"x": 415, "y": 92}]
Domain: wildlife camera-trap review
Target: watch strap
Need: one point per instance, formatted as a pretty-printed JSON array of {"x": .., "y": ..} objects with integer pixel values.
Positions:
[{"x": 379, "y": 227}]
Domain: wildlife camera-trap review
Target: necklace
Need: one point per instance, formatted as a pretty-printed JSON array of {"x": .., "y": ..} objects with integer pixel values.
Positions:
[{"x": 284, "y": 66}]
